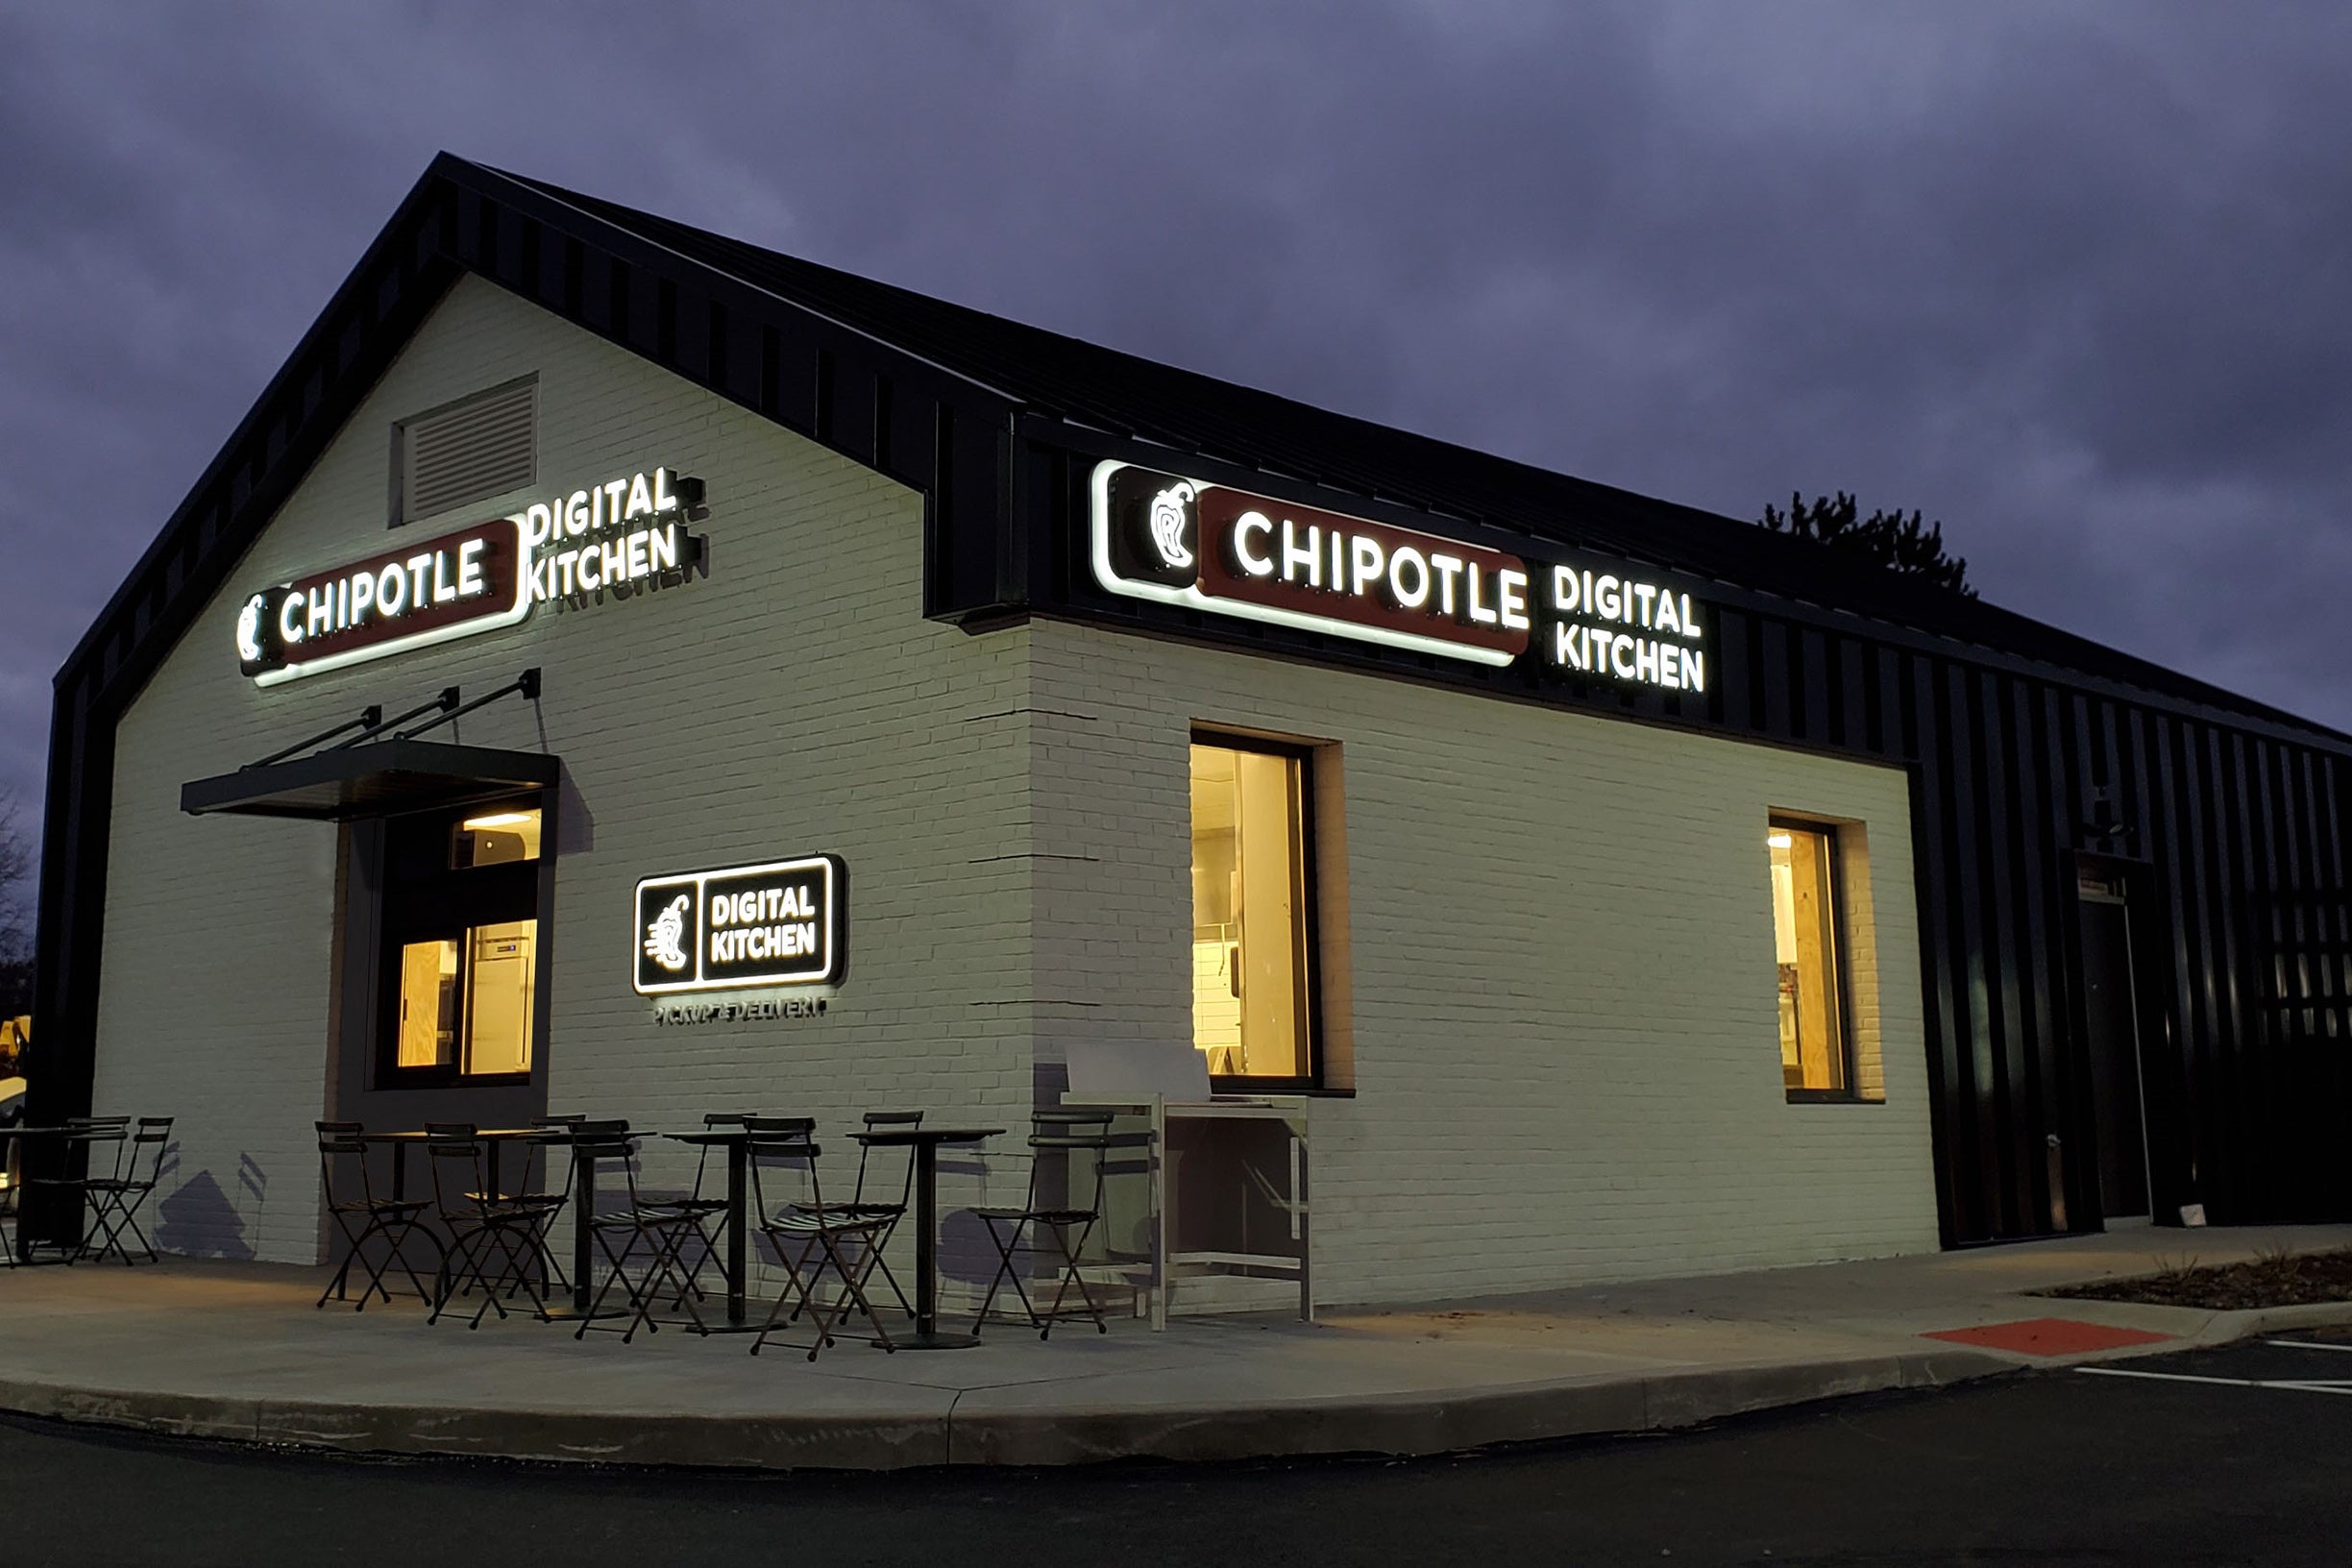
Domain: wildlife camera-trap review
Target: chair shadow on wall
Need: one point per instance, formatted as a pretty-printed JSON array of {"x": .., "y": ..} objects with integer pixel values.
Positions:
[
  {"x": 198, "y": 1219},
  {"x": 964, "y": 1252}
]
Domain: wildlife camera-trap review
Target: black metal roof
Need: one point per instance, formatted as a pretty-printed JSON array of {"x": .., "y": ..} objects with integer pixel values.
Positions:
[{"x": 1086, "y": 384}]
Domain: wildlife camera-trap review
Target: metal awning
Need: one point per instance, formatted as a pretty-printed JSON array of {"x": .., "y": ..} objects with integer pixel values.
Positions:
[{"x": 382, "y": 778}]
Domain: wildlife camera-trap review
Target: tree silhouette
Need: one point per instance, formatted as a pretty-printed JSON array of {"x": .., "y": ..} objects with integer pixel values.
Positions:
[
  {"x": 15, "y": 924},
  {"x": 1903, "y": 545}
]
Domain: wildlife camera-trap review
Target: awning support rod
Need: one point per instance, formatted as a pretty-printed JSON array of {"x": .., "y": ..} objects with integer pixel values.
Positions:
[
  {"x": 371, "y": 718},
  {"x": 527, "y": 683},
  {"x": 447, "y": 700}
]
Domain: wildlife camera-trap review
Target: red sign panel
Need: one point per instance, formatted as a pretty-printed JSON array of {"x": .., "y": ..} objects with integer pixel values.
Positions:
[
  {"x": 1287, "y": 556},
  {"x": 425, "y": 592}
]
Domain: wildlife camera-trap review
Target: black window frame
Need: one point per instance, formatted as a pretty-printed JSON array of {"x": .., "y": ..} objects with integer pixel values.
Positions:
[
  {"x": 1842, "y": 953},
  {"x": 445, "y": 905},
  {"x": 1302, "y": 752}
]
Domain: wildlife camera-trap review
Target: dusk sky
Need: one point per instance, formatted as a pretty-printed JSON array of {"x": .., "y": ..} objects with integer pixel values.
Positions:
[{"x": 2073, "y": 278}]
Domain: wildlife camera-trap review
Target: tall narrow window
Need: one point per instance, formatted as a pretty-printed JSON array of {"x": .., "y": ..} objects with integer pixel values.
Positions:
[
  {"x": 461, "y": 932},
  {"x": 1816, "y": 1053},
  {"x": 1253, "y": 912}
]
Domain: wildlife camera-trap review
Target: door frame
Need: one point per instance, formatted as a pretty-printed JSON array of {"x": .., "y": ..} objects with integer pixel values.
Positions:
[{"x": 2144, "y": 899}]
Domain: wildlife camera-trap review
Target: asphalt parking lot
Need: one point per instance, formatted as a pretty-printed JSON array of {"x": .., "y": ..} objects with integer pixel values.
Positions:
[{"x": 2241, "y": 1455}]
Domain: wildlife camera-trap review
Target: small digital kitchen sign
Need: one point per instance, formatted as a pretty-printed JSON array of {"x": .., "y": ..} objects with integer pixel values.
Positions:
[
  {"x": 741, "y": 928},
  {"x": 1215, "y": 548}
]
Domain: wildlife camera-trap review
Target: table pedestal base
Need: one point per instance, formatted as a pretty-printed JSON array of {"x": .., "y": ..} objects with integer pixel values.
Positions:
[{"x": 931, "y": 1341}]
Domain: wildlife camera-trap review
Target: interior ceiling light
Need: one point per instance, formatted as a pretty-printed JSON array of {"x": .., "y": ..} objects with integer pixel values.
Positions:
[
  {"x": 503, "y": 819},
  {"x": 1778, "y": 840}
]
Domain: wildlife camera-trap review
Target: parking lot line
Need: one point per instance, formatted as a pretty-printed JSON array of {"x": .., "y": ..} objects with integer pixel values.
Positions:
[
  {"x": 2295, "y": 1385},
  {"x": 2304, "y": 1344}
]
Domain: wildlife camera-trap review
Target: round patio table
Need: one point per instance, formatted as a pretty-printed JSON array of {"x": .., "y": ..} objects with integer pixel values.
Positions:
[{"x": 925, "y": 1141}]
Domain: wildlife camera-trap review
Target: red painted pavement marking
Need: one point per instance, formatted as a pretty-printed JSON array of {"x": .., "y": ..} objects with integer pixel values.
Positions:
[{"x": 2048, "y": 1336}]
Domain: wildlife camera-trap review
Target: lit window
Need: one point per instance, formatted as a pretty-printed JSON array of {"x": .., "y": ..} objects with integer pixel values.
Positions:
[
  {"x": 462, "y": 933},
  {"x": 494, "y": 838},
  {"x": 465, "y": 1002},
  {"x": 1253, "y": 911},
  {"x": 1816, "y": 1055}
]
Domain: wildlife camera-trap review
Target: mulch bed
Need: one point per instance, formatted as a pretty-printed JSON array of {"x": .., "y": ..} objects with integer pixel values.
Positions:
[{"x": 2300, "y": 1281}]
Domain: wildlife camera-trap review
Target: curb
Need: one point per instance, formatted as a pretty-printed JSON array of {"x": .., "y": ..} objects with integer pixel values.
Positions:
[
  {"x": 1452, "y": 1421},
  {"x": 2193, "y": 1327},
  {"x": 1420, "y": 1424},
  {"x": 2225, "y": 1327}
]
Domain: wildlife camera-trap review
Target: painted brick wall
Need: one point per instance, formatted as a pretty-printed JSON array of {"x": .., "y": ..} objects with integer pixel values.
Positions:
[
  {"x": 1558, "y": 993},
  {"x": 793, "y": 701},
  {"x": 1559, "y": 944}
]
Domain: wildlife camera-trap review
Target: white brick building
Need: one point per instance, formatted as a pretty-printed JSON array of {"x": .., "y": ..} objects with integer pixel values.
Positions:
[{"x": 1566, "y": 996}]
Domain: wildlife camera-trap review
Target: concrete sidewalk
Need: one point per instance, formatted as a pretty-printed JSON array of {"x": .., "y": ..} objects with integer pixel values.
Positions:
[{"x": 235, "y": 1351}]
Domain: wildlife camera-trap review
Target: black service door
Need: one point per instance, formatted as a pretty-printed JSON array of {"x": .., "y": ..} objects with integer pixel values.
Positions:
[{"x": 2111, "y": 1032}]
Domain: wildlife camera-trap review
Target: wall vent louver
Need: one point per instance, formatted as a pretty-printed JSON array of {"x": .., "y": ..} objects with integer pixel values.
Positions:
[{"x": 481, "y": 445}]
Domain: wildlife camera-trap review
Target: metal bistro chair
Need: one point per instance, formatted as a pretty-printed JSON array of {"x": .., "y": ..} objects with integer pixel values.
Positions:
[
  {"x": 12, "y": 1165},
  {"x": 1066, "y": 1134},
  {"x": 888, "y": 1210},
  {"x": 104, "y": 1142},
  {"x": 701, "y": 1209},
  {"x": 539, "y": 1154},
  {"x": 811, "y": 1236},
  {"x": 620, "y": 1234},
  {"x": 8, "y": 1201},
  {"x": 392, "y": 1219},
  {"x": 479, "y": 1223},
  {"x": 115, "y": 1201}
]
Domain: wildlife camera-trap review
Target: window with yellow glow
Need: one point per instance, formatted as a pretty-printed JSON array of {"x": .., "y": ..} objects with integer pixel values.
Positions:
[
  {"x": 1816, "y": 1057},
  {"x": 465, "y": 1002},
  {"x": 462, "y": 946},
  {"x": 494, "y": 838},
  {"x": 1253, "y": 911}
]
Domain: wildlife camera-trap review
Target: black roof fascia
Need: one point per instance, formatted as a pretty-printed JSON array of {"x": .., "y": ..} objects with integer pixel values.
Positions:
[
  {"x": 2116, "y": 674},
  {"x": 381, "y": 778}
]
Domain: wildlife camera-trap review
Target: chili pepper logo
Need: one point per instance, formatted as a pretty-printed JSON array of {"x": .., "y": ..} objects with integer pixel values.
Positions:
[{"x": 661, "y": 943}]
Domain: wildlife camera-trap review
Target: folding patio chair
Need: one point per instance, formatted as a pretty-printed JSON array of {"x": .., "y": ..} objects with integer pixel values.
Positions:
[
  {"x": 811, "y": 1236},
  {"x": 116, "y": 1200},
  {"x": 103, "y": 1143},
  {"x": 889, "y": 1209},
  {"x": 393, "y": 1220},
  {"x": 478, "y": 1223},
  {"x": 1056, "y": 1138},
  {"x": 702, "y": 1209},
  {"x": 653, "y": 1230},
  {"x": 550, "y": 1200}
]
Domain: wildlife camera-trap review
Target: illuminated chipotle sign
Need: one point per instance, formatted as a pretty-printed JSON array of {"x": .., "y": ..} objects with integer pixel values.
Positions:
[
  {"x": 1211, "y": 548},
  {"x": 427, "y": 592},
  {"x": 1159, "y": 537},
  {"x": 606, "y": 541}
]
